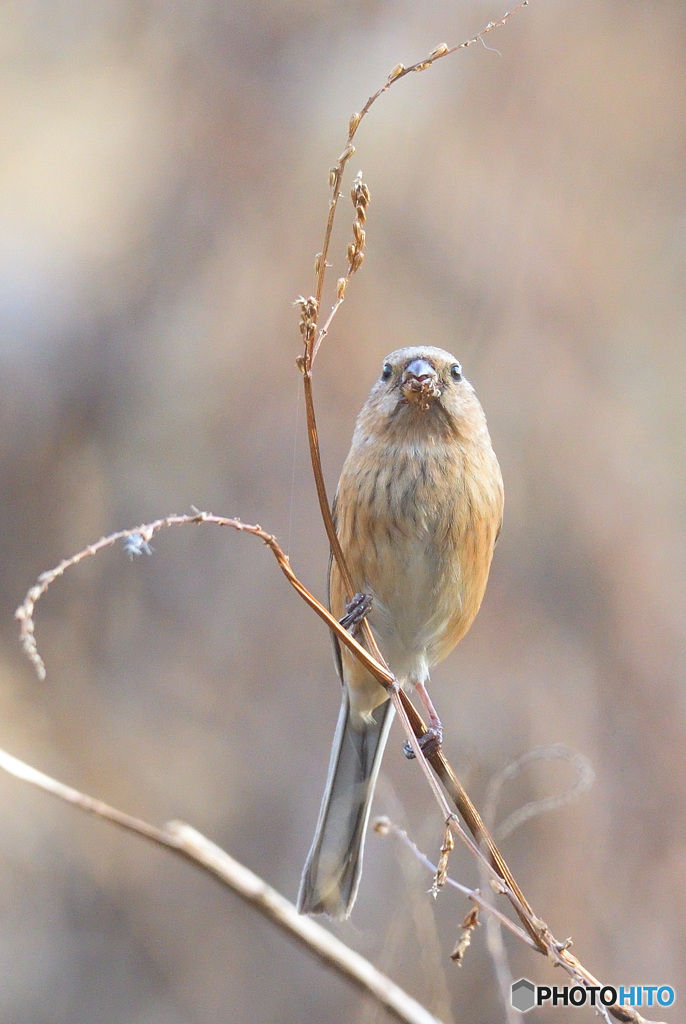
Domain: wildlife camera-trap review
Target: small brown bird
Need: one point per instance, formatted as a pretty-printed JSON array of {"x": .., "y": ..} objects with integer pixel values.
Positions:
[{"x": 418, "y": 511}]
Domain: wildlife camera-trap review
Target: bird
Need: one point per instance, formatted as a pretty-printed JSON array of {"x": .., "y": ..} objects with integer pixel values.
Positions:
[{"x": 417, "y": 511}]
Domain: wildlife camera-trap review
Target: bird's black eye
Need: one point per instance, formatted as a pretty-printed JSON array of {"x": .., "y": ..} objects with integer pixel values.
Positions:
[
  {"x": 387, "y": 371},
  {"x": 456, "y": 371}
]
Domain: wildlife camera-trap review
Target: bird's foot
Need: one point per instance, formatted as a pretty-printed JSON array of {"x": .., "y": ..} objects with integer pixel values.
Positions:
[
  {"x": 356, "y": 611},
  {"x": 429, "y": 743}
]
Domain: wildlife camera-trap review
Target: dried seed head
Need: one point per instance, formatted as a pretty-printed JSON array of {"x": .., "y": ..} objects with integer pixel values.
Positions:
[
  {"x": 341, "y": 285},
  {"x": 308, "y": 316},
  {"x": 361, "y": 214},
  {"x": 441, "y": 875},
  {"x": 463, "y": 943},
  {"x": 308, "y": 307},
  {"x": 396, "y": 72},
  {"x": 351, "y": 253},
  {"x": 352, "y": 124},
  {"x": 423, "y": 66},
  {"x": 439, "y": 51},
  {"x": 333, "y": 175},
  {"x": 356, "y": 262},
  {"x": 358, "y": 233},
  {"x": 317, "y": 262},
  {"x": 359, "y": 193}
]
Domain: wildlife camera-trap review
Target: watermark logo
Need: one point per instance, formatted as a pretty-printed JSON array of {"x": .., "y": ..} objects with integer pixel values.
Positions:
[{"x": 525, "y": 995}]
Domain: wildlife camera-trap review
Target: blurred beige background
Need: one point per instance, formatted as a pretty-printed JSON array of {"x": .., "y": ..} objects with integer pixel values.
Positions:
[{"x": 163, "y": 191}]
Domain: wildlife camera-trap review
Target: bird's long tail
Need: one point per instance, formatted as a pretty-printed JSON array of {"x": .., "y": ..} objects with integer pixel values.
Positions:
[{"x": 331, "y": 875}]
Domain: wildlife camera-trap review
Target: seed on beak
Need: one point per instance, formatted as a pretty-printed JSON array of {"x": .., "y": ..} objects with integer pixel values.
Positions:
[{"x": 420, "y": 383}]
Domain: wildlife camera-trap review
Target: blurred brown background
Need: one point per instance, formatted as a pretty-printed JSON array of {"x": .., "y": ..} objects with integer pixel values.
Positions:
[{"x": 163, "y": 191}]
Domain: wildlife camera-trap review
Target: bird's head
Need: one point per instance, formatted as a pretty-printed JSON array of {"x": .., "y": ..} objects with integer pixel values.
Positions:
[{"x": 422, "y": 389}]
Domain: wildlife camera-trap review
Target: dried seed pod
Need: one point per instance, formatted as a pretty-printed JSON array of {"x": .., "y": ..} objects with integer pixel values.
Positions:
[
  {"x": 359, "y": 193},
  {"x": 308, "y": 316},
  {"x": 470, "y": 922},
  {"x": 441, "y": 875},
  {"x": 357, "y": 261}
]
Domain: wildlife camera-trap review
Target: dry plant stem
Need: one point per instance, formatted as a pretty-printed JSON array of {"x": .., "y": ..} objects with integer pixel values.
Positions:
[
  {"x": 336, "y": 175},
  {"x": 495, "y": 946},
  {"x": 399, "y": 71},
  {"x": 544, "y": 941},
  {"x": 196, "y": 848}
]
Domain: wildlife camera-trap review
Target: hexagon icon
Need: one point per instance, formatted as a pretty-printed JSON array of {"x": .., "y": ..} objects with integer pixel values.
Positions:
[{"x": 523, "y": 996}]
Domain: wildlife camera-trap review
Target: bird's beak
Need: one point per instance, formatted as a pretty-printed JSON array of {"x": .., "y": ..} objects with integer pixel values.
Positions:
[{"x": 419, "y": 383}]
